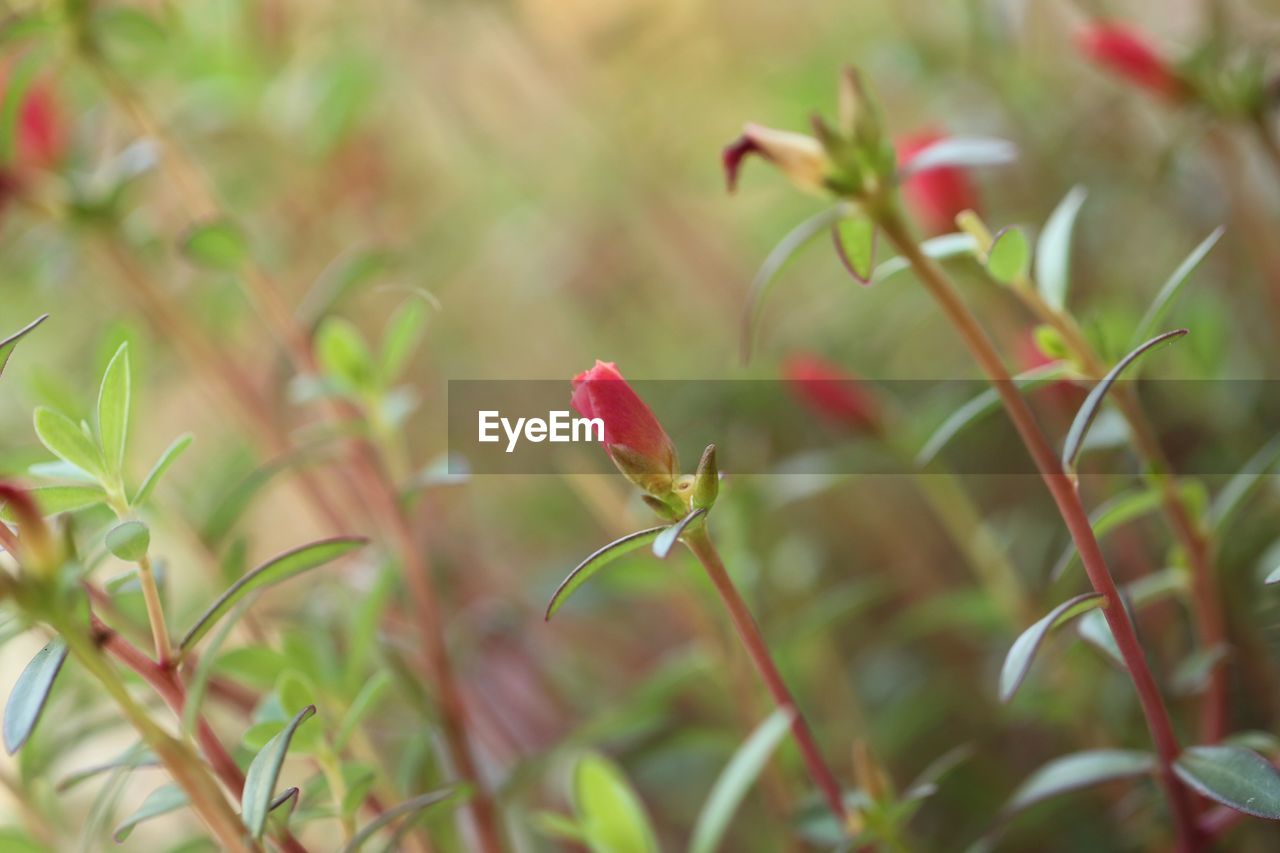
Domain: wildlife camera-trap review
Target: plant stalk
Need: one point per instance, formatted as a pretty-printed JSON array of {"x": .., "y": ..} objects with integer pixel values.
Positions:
[
  {"x": 155, "y": 611},
  {"x": 1063, "y": 491},
  {"x": 749, "y": 632}
]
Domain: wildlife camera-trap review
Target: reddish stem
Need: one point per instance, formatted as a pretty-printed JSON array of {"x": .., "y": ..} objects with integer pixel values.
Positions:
[{"x": 749, "y": 632}]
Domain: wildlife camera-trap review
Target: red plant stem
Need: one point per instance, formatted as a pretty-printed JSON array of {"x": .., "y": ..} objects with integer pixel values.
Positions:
[
  {"x": 749, "y": 632},
  {"x": 164, "y": 680},
  {"x": 1063, "y": 490}
]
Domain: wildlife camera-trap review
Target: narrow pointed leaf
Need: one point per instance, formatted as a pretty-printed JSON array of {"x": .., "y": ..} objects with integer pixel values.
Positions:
[
  {"x": 736, "y": 780},
  {"x": 981, "y": 405},
  {"x": 587, "y": 569},
  {"x": 10, "y": 343},
  {"x": 855, "y": 240},
  {"x": 1273, "y": 577},
  {"x": 282, "y": 568},
  {"x": 1238, "y": 778},
  {"x": 1169, "y": 290},
  {"x": 668, "y": 538},
  {"x": 407, "y": 809},
  {"x": 113, "y": 409},
  {"x": 1093, "y": 403},
  {"x": 161, "y": 801},
  {"x": 939, "y": 248},
  {"x": 361, "y": 706},
  {"x": 1243, "y": 484},
  {"x": 1119, "y": 511},
  {"x": 962, "y": 151},
  {"x": 1009, "y": 258},
  {"x": 171, "y": 454},
  {"x": 609, "y": 809},
  {"x": 1053, "y": 249},
  {"x": 1080, "y": 770},
  {"x": 62, "y": 437},
  {"x": 31, "y": 694},
  {"x": 1023, "y": 651},
  {"x": 786, "y": 249},
  {"x": 53, "y": 500},
  {"x": 260, "y": 780},
  {"x": 135, "y": 756}
]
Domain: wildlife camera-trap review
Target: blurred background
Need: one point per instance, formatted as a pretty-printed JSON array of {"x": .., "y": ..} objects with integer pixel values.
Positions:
[{"x": 541, "y": 178}]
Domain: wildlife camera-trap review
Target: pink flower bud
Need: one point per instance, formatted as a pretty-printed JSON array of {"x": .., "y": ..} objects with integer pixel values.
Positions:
[
  {"x": 40, "y": 130},
  {"x": 801, "y": 158},
  {"x": 634, "y": 439},
  {"x": 935, "y": 196},
  {"x": 831, "y": 392},
  {"x": 1127, "y": 53}
]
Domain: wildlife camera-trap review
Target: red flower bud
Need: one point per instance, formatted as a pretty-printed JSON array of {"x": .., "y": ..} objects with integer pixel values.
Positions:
[
  {"x": 831, "y": 392},
  {"x": 40, "y": 129},
  {"x": 39, "y": 549},
  {"x": 634, "y": 439},
  {"x": 937, "y": 195},
  {"x": 1127, "y": 53}
]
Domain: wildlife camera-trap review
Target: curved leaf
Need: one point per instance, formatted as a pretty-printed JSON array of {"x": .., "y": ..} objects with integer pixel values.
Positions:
[
  {"x": 1118, "y": 511},
  {"x": 8, "y": 345},
  {"x": 1239, "y": 487},
  {"x": 53, "y": 500},
  {"x": 773, "y": 264},
  {"x": 165, "y": 799},
  {"x": 1079, "y": 770},
  {"x": 1273, "y": 577},
  {"x": 1238, "y": 778},
  {"x": 609, "y": 811},
  {"x": 962, "y": 151},
  {"x": 366, "y": 700},
  {"x": 260, "y": 780},
  {"x": 391, "y": 815},
  {"x": 938, "y": 248},
  {"x": 1174, "y": 284},
  {"x": 1053, "y": 249},
  {"x": 62, "y": 437},
  {"x": 855, "y": 241},
  {"x": 170, "y": 455},
  {"x": 31, "y": 694},
  {"x": 1089, "y": 410},
  {"x": 983, "y": 404},
  {"x": 736, "y": 779},
  {"x": 113, "y": 409},
  {"x": 585, "y": 570},
  {"x": 1009, "y": 258},
  {"x": 1023, "y": 651},
  {"x": 282, "y": 568},
  {"x": 668, "y": 538},
  {"x": 135, "y": 756}
]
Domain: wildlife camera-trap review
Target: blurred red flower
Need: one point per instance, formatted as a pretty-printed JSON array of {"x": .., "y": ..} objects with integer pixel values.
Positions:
[
  {"x": 636, "y": 442},
  {"x": 831, "y": 392},
  {"x": 1126, "y": 52},
  {"x": 936, "y": 195},
  {"x": 39, "y": 138}
]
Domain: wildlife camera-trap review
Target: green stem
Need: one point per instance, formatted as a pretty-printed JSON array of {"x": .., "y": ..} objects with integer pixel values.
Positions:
[
  {"x": 1063, "y": 491},
  {"x": 749, "y": 632}
]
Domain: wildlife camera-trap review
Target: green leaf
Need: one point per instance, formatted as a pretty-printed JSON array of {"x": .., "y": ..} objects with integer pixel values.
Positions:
[
  {"x": 171, "y": 454},
  {"x": 343, "y": 354},
  {"x": 736, "y": 780},
  {"x": 9, "y": 344},
  {"x": 31, "y": 694},
  {"x": 406, "y": 809},
  {"x": 1240, "y": 486},
  {"x": 53, "y": 500},
  {"x": 1119, "y": 511},
  {"x": 1173, "y": 285},
  {"x": 129, "y": 541},
  {"x": 161, "y": 801},
  {"x": 62, "y": 437},
  {"x": 1023, "y": 651},
  {"x": 1093, "y": 403},
  {"x": 855, "y": 239},
  {"x": 361, "y": 706},
  {"x": 1093, "y": 627},
  {"x": 135, "y": 756},
  {"x": 1238, "y": 778},
  {"x": 1053, "y": 250},
  {"x": 585, "y": 570},
  {"x": 983, "y": 404},
  {"x": 1009, "y": 258},
  {"x": 281, "y": 568},
  {"x": 260, "y": 780},
  {"x": 939, "y": 248},
  {"x": 1080, "y": 770},
  {"x": 113, "y": 410},
  {"x": 608, "y": 809},
  {"x": 14, "y": 840},
  {"x": 668, "y": 538},
  {"x": 786, "y": 249},
  {"x": 962, "y": 152},
  {"x": 404, "y": 333},
  {"x": 216, "y": 245}
]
